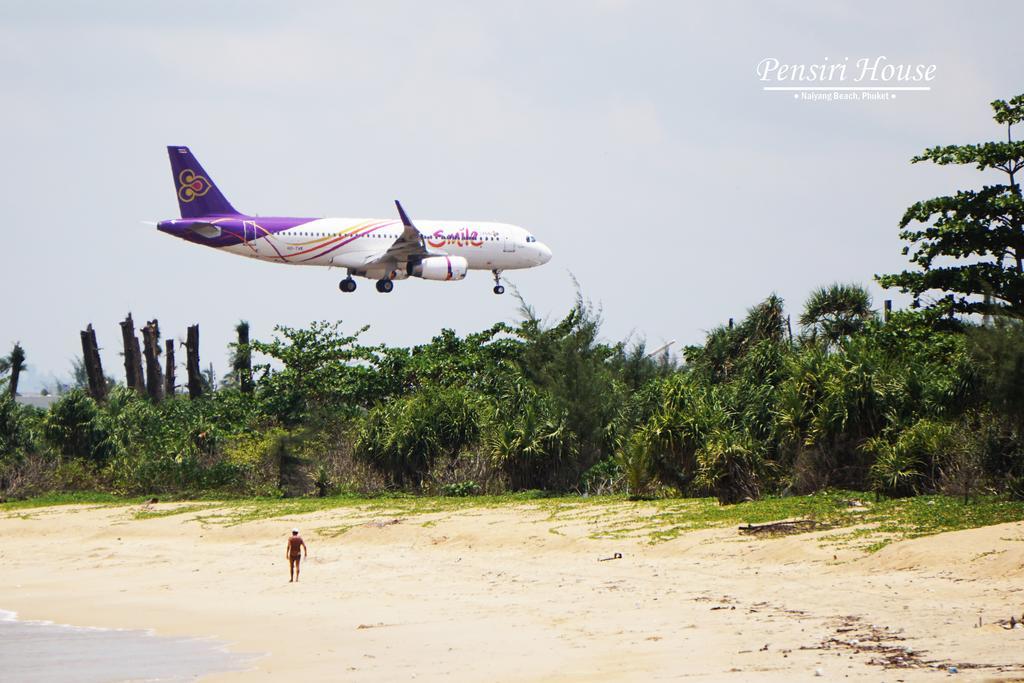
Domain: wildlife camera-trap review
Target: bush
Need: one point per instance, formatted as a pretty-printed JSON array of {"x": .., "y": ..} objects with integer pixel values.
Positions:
[
  {"x": 526, "y": 436},
  {"x": 636, "y": 463},
  {"x": 932, "y": 455},
  {"x": 730, "y": 465},
  {"x": 607, "y": 476},
  {"x": 328, "y": 453},
  {"x": 176, "y": 445},
  {"x": 404, "y": 438},
  {"x": 460, "y": 490},
  {"x": 19, "y": 427},
  {"x": 257, "y": 460},
  {"x": 76, "y": 428}
]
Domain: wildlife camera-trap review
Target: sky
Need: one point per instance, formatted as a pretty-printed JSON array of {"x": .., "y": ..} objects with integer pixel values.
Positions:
[{"x": 634, "y": 138}]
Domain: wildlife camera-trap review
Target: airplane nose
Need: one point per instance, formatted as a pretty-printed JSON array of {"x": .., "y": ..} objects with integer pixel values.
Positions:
[{"x": 543, "y": 253}]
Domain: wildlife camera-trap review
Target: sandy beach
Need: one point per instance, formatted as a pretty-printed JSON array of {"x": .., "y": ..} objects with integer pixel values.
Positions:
[{"x": 517, "y": 593}]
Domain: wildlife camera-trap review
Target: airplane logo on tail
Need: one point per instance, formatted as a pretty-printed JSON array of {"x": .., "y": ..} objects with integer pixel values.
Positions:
[{"x": 191, "y": 185}]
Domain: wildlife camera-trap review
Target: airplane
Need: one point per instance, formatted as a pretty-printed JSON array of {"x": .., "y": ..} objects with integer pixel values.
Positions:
[{"x": 379, "y": 249}]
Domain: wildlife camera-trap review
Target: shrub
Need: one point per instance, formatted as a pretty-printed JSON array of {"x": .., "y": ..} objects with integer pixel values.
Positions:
[
  {"x": 461, "y": 489},
  {"x": 18, "y": 431},
  {"x": 907, "y": 464},
  {"x": 404, "y": 438},
  {"x": 635, "y": 461},
  {"x": 257, "y": 460},
  {"x": 76, "y": 428},
  {"x": 730, "y": 464},
  {"x": 607, "y": 476},
  {"x": 526, "y": 436}
]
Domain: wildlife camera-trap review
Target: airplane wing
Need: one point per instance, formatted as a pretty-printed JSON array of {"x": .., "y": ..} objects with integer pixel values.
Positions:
[{"x": 410, "y": 245}]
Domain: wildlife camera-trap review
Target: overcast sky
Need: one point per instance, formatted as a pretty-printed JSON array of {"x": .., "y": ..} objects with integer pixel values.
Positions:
[{"x": 632, "y": 137}]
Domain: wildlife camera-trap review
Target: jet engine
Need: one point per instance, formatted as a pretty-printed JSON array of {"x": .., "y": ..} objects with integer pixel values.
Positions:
[{"x": 440, "y": 268}]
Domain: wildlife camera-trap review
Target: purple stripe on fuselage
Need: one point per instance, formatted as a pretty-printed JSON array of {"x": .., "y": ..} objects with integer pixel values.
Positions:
[
  {"x": 352, "y": 238},
  {"x": 245, "y": 230},
  {"x": 232, "y": 228}
]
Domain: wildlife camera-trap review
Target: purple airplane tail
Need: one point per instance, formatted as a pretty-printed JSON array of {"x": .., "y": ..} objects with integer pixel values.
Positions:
[{"x": 197, "y": 195}]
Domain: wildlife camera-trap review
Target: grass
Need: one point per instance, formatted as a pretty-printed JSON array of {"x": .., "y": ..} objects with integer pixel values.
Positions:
[
  {"x": 242, "y": 510},
  {"x": 147, "y": 513},
  {"x": 878, "y": 522},
  {"x": 870, "y": 526}
]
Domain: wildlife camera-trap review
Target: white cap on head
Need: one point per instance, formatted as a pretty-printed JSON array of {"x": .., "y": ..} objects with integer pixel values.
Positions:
[{"x": 295, "y": 531}]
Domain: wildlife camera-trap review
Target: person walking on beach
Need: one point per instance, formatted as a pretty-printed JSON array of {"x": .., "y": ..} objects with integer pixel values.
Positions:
[{"x": 294, "y": 551}]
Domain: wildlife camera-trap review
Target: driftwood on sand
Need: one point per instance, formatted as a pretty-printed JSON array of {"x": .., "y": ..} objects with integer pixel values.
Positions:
[{"x": 789, "y": 526}]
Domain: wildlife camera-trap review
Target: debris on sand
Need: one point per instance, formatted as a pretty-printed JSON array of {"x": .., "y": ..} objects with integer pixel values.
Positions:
[
  {"x": 885, "y": 649},
  {"x": 381, "y": 523},
  {"x": 791, "y": 526}
]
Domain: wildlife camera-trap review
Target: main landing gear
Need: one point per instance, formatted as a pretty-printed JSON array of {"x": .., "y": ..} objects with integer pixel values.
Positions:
[
  {"x": 498, "y": 288},
  {"x": 349, "y": 285}
]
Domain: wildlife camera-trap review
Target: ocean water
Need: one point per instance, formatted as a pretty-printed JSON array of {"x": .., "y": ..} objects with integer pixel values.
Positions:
[{"x": 43, "y": 652}]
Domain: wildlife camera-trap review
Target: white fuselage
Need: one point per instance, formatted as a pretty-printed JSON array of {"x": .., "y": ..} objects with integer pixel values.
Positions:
[{"x": 350, "y": 242}]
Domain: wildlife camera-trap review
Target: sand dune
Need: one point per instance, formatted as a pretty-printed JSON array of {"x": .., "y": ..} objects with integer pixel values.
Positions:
[{"x": 516, "y": 594}]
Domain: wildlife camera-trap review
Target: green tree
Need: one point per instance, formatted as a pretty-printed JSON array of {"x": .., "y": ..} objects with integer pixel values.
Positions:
[
  {"x": 998, "y": 351},
  {"x": 568, "y": 361},
  {"x": 322, "y": 371},
  {"x": 836, "y": 312},
  {"x": 480, "y": 359},
  {"x": 972, "y": 244},
  {"x": 723, "y": 348}
]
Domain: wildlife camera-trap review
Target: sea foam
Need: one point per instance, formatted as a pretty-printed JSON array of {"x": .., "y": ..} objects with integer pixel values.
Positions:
[{"x": 44, "y": 652}]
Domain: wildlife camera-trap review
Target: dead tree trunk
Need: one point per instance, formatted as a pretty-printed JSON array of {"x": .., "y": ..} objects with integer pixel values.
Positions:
[
  {"x": 93, "y": 366},
  {"x": 169, "y": 381},
  {"x": 126, "y": 342},
  {"x": 151, "y": 346},
  {"x": 243, "y": 359},
  {"x": 140, "y": 376},
  {"x": 195, "y": 380},
  {"x": 132, "y": 356}
]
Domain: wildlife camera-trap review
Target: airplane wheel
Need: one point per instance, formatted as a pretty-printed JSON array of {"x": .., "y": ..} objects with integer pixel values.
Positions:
[
  {"x": 498, "y": 289},
  {"x": 385, "y": 286},
  {"x": 347, "y": 285}
]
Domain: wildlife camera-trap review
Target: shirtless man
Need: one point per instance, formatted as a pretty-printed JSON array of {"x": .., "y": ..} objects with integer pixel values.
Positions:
[{"x": 294, "y": 550}]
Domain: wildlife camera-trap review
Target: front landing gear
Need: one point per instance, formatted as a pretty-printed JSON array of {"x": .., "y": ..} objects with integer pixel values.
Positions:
[
  {"x": 498, "y": 288},
  {"x": 347, "y": 285},
  {"x": 385, "y": 286}
]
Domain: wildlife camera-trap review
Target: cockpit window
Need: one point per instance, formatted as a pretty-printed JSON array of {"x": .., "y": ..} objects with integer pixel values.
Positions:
[{"x": 531, "y": 238}]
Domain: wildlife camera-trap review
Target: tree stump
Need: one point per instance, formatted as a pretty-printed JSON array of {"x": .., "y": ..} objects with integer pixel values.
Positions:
[
  {"x": 151, "y": 347},
  {"x": 169, "y": 379},
  {"x": 195, "y": 380},
  {"x": 93, "y": 365},
  {"x": 132, "y": 356}
]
